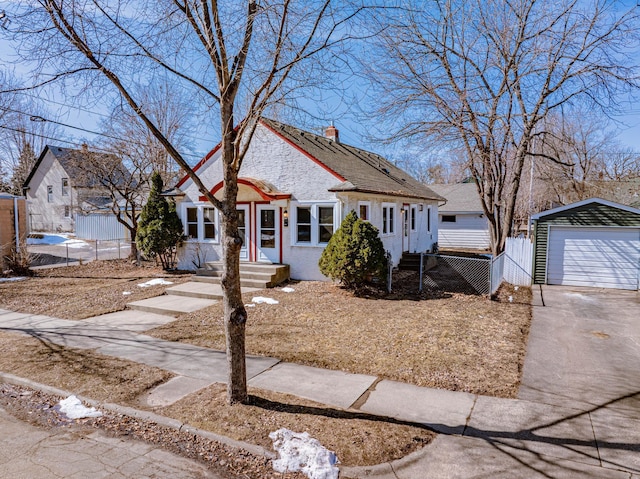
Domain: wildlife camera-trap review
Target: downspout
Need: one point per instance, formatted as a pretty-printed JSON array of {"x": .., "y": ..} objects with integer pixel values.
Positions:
[{"x": 16, "y": 222}]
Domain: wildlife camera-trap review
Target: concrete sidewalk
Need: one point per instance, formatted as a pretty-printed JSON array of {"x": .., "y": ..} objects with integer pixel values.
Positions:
[
  {"x": 27, "y": 451},
  {"x": 481, "y": 436}
]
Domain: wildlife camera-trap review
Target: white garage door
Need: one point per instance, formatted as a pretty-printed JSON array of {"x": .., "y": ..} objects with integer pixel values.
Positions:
[{"x": 598, "y": 257}]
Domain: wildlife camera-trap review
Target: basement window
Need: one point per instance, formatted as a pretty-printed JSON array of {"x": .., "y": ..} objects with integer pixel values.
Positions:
[{"x": 448, "y": 218}]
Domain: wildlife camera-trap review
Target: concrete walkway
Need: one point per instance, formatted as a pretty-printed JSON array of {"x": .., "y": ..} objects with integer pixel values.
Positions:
[
  {"x": 481, "y": 436},
  {"x": 27, "y": 451}
]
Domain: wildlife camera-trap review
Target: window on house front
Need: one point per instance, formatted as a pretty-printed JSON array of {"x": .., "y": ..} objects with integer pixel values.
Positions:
[
  {"x": 209, "y": 221},
  {"x": 67, "y": 211},
  {"x": 413, "y": 218},
  {"x": 192, "y": 222},
  {"x": 314, "y": 224},
  {"x": 325, "y": 223},
  {"x": 429, "y": 219},
  {"x": 201, "y": 223},
  {"x": 448, "y": 218},
  {"x": 50, "y": 194},
  {"x": 65, "y": 186},
  {"x": 363, "y": 211},
  {"x": 388, "y": 214},
  {"x": 303, "y": 224}
]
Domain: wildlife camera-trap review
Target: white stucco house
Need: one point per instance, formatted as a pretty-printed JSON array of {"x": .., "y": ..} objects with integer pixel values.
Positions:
[
  {"x": 295, "y": 188},
  {"x": 462, "y": 223},
  {"x": 57, "y": 190}
]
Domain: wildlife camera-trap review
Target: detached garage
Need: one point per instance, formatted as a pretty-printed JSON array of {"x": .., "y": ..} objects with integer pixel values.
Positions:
[{"x": 591, "y": 243}]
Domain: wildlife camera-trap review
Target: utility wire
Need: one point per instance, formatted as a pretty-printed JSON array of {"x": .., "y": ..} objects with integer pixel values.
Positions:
[
  {"x": 86, "y": 110},
  {"x": 41, "y": 119}
]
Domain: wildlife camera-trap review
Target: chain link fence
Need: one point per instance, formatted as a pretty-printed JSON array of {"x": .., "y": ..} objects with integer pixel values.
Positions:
[
  {"x": 74, "y": 251},
  {"x": 456, "y": 274}
]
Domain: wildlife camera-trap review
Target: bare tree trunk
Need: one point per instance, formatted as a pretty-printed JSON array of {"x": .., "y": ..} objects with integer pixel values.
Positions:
[{"x": 235, "y": 314}]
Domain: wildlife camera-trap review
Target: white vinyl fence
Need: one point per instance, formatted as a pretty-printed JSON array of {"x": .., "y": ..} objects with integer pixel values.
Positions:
[
  {"x": 100, "y": 226},
  {"x": 518, "y": 261}
]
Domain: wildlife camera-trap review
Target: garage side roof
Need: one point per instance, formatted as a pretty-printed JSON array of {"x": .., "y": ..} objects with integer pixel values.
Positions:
[{"x": 589, "y": 201}]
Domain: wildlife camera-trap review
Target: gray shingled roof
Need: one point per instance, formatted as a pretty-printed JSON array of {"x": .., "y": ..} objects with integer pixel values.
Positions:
[
  {"x": 362, "y": 171},
  {"x": 69, "y": 157},
  {"x": 461, "y": 198}
]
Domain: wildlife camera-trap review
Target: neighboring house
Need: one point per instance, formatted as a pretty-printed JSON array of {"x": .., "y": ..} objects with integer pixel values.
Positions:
[
  {"x": 590, "y": 243},
  {"x": 57, "y": 189},
  {"x": 295, "y": 188},
  {"x": 462, "y": 223},
  {"x": 13, "y": 225}
]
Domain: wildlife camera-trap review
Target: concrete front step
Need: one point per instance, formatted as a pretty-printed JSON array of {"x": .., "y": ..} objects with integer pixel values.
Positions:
[
  {"x": 253, "y": 275},
  {"x": 171, "y": 305},
  {"x": 411, "y": 262},
  {"x": 244, "y": 283},
  {"x": 200, "y": 289}
]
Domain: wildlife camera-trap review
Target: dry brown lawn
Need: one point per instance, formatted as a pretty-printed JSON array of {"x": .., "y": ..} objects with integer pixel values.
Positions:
[
  {"x": 357, "y": 439},
  {"x": 452, "y": 341},
  {"x": 79, "y": 292},
  {"x": 80, "y": 371}
]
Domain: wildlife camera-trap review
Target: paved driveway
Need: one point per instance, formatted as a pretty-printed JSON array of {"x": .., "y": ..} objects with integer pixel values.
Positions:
[{"x": 584, "y": 350}]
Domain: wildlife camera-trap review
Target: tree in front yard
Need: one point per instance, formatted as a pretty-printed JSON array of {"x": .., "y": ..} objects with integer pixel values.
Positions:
[
  {"x": 159, "y": 229},
  {"x": 354, "y": 254}
]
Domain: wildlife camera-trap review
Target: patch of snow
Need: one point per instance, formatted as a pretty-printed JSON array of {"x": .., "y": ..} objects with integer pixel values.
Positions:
[
  {"x": 580, "y": 296},
  {"x": 126, "y": 293},
  {"x": 46, "y": 238},
  {"x": 300, "y": 452},
  {"x": 262, "y": 299},
  {"x": 288, "y": 290},
  {"x": 73, "y": 243},
  {"x": 15, "y": 278},
  {"x": 73, "y": 408},
  {"x": 55, "y": 239},
  {"x": 249, "y": 305},
  {"x": 516, "y": 288},
  {"x": 154, "y": 282},
  {"x": 511, "y": 299}
]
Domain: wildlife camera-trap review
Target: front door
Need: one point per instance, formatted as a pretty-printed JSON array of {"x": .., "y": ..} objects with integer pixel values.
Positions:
[
  {"x": 405, "y": 228},
  {"x": 268, "y": 234},
  {"x": 243, "y": 229}
]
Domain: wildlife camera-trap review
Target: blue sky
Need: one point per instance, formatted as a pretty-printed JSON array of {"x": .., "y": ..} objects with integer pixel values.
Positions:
[{"x": 319, "y": 114}]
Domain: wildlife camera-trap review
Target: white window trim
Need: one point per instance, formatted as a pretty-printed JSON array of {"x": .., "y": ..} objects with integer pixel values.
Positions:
[
  {"x": 216, "y": 223},
  {"x": 388, "y": 216},
  {"x": 368, "y": 205},
  {"x": 49, "y": 193},
  {"x": 315, "y": 221},
  {"x": 429, "y": 219},
  {"x": 64, "y": 190}
]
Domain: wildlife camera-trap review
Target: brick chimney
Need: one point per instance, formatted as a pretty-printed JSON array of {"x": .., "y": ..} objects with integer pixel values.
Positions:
[{"x": 332, "y": 133}]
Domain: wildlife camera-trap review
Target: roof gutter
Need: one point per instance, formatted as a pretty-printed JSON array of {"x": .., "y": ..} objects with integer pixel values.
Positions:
[{"x": 383, "y": 193}]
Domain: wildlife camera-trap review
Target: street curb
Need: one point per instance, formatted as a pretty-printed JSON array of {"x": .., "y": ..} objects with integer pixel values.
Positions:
[
  {"x": 142, "y": 415},
  {"x": 386, "y": 469}
]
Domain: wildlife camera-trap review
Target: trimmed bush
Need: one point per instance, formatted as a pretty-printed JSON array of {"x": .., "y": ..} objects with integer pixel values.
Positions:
[{"x": 355, "y": 253}]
